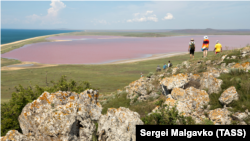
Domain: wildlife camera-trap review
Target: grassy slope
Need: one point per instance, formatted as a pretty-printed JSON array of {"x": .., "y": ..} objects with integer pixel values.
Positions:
[{"x": 108, "y": 78}]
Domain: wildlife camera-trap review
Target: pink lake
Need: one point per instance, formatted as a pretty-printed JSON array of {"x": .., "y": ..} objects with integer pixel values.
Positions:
[{"x": 105, "y": 49}]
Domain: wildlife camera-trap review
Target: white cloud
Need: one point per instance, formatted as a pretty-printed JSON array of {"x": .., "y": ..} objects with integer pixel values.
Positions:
[
  {"x": 169, "y": 16},
  {"x": 149, "y": 12},
  {"x": 102, "y": 22},
  {"x": 142, "y": 17},
  {"x": 56, "y": 6},
  {"x": 52, "y": 15}
]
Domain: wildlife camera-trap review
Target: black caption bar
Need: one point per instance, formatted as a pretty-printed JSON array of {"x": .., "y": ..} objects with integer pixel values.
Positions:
[{"x": 163, "y": 132}]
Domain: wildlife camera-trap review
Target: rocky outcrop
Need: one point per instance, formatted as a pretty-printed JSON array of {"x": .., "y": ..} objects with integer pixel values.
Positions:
[
  {"x": 245, "y": 66},
  {"x": 229, "y": 95},
  {"x": 61, "y": 116},
  {"x": 245, "y": 51},
  {"x": 118, "y": 125},
  {"x": 213, "y": 71},
  {"x": 220, "y": 116},
  {"x": 175, "y": 69},
  {"x": 141, "y": 89},
  {"x": 211, "y": 83},
  {"x": 14, "y": 135},
  {"x": 176, "y": 81}
]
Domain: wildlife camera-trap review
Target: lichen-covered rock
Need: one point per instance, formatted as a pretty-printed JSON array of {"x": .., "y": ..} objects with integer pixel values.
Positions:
[
  {"x": 223, "y": 65},
  {"x": 220, "y": 116},
  {"x": 245, "y": 51},
  {"x": 229, "y": 95},
  {"x": 223, "y": 57},
  {"x": 230, "y": 65},
  {"x": 211, "y": 83},
  {"x": 118, "y": 125},
  {"x": 195, "y": 77},
  {"x": 208, "y": 62},
  {"x": 184, "y": 108},
  {"x": 213, "y": 71},
  {"x": 224, "y": 70},
  {"x": 176, "y": 81},
  {"x": 245, "y": 66},
  {"x": 239, "y": 116},
  {"x": 186, "y": 64},
  {"x": 14, "y": 135},
  {"x": 174, "y": 70},
  {"x": 197, "y": 97},
  {"x": 61, "y": 116},
  {"x": 141, "y": 89}
]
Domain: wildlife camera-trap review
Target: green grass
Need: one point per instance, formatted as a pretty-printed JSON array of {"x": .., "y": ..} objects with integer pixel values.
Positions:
[
  {"x": 108, "y": 78},
  {"x": 6, "y": 62}
]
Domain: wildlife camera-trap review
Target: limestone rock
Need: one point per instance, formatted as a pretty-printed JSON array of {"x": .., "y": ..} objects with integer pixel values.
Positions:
[
  {"x": 239, "y": 116},
  {"x": 230, "y": 64},
  {"x": 186, "y": 64},
  {"x": 229, "y": 95},
  {"x": 174, "y": 70},
  {"x": 223, "y": 65},
  {"x": 224, "y": 70},
  {"x": 213, "y": 71},
  {"x": 176, "y": 81},
  {"x": 220, "y": 116},
  {"x": 223, "y": 57},
  {"x": 184, "y": 108},
  {"x": 211, "y": 83},
  {"x": 245, "y": 51},
  {"x": 208, "y": 62},
  {"x": 141, "y": 89},
  {"x": 197, "y": 97},
  {"x": 118, "y": 125},
  {"x": 61, "y": 116},
  {"x": 14, "y": 135},
  {"x": 245, "y": 66},
  {"x": 233, "y": 57}
]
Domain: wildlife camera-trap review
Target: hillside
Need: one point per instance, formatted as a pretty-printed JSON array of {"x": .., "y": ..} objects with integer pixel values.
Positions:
[{"x": 199, "y": 91}]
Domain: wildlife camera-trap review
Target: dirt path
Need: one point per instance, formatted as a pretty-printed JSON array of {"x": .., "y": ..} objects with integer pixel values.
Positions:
[{"x": 19, "y": 66}]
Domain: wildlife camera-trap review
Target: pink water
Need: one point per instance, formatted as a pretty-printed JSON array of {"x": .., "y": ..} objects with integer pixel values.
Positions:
[{"x": 103, "y": 49}]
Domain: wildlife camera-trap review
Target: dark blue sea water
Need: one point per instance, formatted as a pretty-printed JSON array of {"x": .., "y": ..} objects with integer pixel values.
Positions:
[{"x": 12, "y": 35}]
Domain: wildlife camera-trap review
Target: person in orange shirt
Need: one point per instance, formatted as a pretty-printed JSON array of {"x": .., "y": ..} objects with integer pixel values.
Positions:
[{"x": 205, "y": 46}]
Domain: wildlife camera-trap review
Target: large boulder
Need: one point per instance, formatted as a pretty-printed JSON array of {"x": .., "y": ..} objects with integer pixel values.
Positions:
[
  {"x": 211, "y": 83},
  {"x": 229, "y": 95},
  {"x": 118, "y": 125},
  {"x": 14, "y": 135},
  {"x": 220, "y": 116},
  {"x": 61, "y": 116},
  {"x": 245, "y": 66},
  {"x": 187, "y": 101},
  {"x": 141, "y": 89},
  {"x": 198, "y": 98},
  {"x": 213, "y": 71},
  {"x": 176, "y": 81}
]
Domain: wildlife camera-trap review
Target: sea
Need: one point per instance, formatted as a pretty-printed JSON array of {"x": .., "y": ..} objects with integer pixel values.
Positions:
[{"x": 12, "y": 35}]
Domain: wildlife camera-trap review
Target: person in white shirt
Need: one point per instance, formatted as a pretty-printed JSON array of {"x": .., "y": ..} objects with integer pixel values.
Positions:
[{"x": 169, "y": 64}]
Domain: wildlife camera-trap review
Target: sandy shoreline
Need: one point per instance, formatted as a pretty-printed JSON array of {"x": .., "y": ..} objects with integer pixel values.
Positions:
[{"x": 153, "y": 57}]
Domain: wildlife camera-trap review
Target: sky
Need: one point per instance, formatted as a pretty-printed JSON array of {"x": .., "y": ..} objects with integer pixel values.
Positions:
[{"x": 124, "y": 15}]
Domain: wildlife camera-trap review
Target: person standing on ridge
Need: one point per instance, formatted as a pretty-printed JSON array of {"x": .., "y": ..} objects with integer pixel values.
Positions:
[
  {"x": 141, "y": 74},
  {"x": 158, "y": 68},
  {"x": 205, "y": 46},
  {"x": 169, "y": 64},
  {"x": 218, "y": 47},
  {"x": 164, "y": 67},
  {"x": 191, "y": 48}
]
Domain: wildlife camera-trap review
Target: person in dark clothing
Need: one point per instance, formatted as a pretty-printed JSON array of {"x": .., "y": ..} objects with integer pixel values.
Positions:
[
  {"x": 158, "y": 68},
  {"x": 191, "y": 48}
]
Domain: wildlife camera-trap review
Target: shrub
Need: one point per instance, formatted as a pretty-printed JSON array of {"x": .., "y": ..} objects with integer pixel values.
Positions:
[
  {"x": 150, "y": 74},
  {"x": 11, "y": 110}
]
